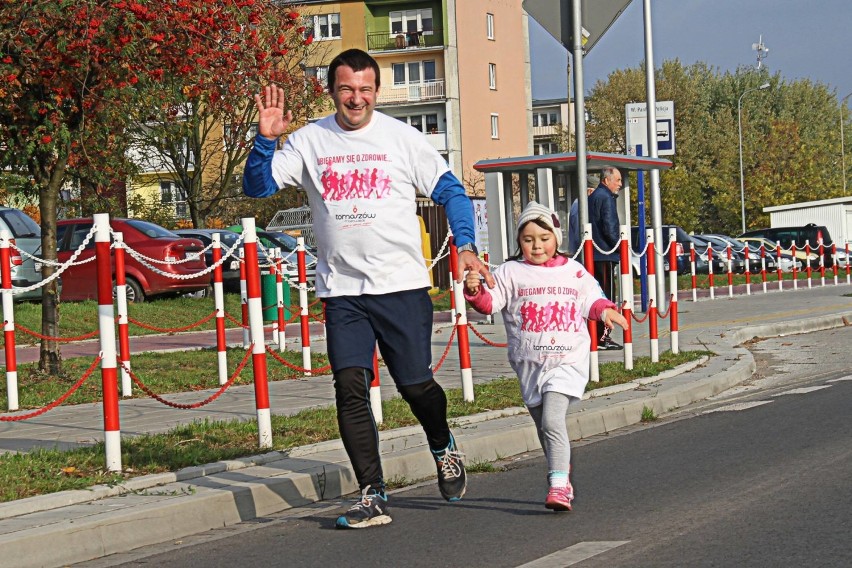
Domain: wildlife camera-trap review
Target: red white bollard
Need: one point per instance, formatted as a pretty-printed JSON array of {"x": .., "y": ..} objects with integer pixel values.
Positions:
[
  {"x": 121, "y": 307},
  {"x": 821, "y": 262},
  {"x": 747, "y": 253},
  {"x": 281, "y": 336},
  {"x": 652, "y": 298},
  {"x": 710, "y": 272},
  {"x": 106, "y": 327},
  {"x": 848, "y": 268},
  {"x": 376, "y": 389},
  {"x": 303, "y": 304},
  {"x": 809, "y": 269},
  {"x": 834, "y": 261},
  {"x": 489, "y": 319},
  {"x": 589, "y": 262},
  {"x": 673, "y": 289},
  {"x": 781, "y": 272},
  {"x": 626, "y": 296},
  {"x": 795, "y": 269},
  {"x": 762, "y": 266},
  {"x": 730, "y": 272},
  {"x": 244, "y": 297},
  {"x": 461, "y": 325},
  {"x": 258, "y": 344},
  {"x": 692, "y": 272},
  {"x": 9, "y": 323},
  {"x": 219, "y": 303}
]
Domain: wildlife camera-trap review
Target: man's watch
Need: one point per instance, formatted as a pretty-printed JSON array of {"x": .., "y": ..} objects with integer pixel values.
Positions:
[{"x": 468, "y": 247}]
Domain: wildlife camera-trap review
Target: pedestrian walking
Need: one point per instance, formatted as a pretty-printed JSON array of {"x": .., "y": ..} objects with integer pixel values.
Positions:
[
  {"x": 603, "y": 216},
  {"x": 545, "y": 298},
  {"x": 370, "y": 273}
]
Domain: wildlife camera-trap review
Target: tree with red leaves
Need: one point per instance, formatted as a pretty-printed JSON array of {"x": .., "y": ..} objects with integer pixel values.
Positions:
[{"x": 77, "y": 78}]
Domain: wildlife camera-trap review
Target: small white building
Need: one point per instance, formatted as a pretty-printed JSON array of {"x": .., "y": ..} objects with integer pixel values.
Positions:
[{"x": 834, "y": 214}]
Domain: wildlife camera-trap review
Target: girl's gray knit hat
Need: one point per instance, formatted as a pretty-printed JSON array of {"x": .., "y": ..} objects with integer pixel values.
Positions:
[{"x": 536, "y": 211}]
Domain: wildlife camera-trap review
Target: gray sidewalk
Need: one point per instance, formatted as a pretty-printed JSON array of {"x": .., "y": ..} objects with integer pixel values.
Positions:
[{"x": 68, "y": 527}]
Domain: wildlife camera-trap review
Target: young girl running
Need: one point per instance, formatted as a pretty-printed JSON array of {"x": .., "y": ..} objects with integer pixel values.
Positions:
[{"x": 545, "y": 297}]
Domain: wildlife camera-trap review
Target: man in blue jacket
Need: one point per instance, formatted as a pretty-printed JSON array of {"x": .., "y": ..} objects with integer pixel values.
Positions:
[{"x": 603, "y": 216}]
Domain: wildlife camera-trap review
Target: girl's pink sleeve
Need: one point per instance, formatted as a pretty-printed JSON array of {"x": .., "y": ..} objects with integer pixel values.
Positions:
[
  {"x": 598, "y": 308},
  {"x": 481, "y": 302}
]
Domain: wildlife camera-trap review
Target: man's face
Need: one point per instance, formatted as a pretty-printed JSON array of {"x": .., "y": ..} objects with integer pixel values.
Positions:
[
  {"x": 613, "y": 182},
  {"x": 354, "y": 96}
]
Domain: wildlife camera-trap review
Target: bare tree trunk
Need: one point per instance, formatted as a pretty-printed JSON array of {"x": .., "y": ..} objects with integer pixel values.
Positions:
[{"x": 50, "y": 357}]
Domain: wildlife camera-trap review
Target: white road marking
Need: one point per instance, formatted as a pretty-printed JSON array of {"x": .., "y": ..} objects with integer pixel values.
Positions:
[
  {"x": 573, "y": 554},
  {"x": 803, "y": 390},
  {"x": 841, "y": 379},
  {"x": 738, "y": 406}
]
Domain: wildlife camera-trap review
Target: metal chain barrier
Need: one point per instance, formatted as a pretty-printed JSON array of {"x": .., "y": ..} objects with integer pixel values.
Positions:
[
  {"x": 446, "y": 351},
  {"x": 289, "y": 365},
  {"x": 200, "y": 322},
  {"x": 642, "y": 319},
  {"x": 38, "y": 335},
  {"x": 204, "y": 402},
  {"x": 484, "y": 339},
  {"x": 63, "y": 267},
  {"x": 59, "y": 400}
]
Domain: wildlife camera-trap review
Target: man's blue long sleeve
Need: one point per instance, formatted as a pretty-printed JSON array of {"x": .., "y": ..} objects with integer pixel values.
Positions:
[
  {"x": 450, "y": 194},
  {"x": 257, "y": 176}
]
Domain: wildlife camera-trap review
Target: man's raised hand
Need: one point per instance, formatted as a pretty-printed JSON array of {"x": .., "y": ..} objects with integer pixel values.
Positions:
[{"x": 271, "y": 120}]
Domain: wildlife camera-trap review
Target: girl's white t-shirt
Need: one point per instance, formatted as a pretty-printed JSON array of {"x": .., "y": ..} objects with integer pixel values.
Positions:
[
  {"x": 545, "y": 309},
  {"x": 362, "y": 187}
]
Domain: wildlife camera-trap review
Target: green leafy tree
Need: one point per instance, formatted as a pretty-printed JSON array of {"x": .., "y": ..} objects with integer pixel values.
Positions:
[{"x": 77, "y": 73}]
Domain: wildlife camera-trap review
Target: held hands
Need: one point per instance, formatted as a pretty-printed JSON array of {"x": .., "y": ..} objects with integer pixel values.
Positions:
[
  {"x": 271, "y": 120},
  {"x": 612, "y": 317},
  {"x": 472, "y": 282},
  {"x": 469, "y": 261}
]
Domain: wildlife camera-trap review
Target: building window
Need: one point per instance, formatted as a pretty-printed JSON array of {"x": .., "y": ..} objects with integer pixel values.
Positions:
[
  {"x": 489, "y": 26},
  {"x": 323, "y": 26},
  {"x": 413, "y": 73},
  {"x": 492, "y": 76},
  {"x": 545, "y": 118},
  {"x": 546, "y": 148},
  {"x": 174, "y": 197},
  {"x": 425, "y": 123},
  {"x": 319, "y": 73},
  {"x": 412, "y": 21},
  {"x": 495, "y": 126}
]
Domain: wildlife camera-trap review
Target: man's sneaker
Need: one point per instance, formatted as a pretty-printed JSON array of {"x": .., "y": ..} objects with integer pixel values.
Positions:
[
  {"x": 608, "y": 344},
  {"x": 559, "y": 498},
  {"x": 452, "y": 479},
  {"x": 370, "y": 510}
]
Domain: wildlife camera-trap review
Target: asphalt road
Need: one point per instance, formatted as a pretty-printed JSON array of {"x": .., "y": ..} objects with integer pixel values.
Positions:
[{"x": 759, "y": 476}]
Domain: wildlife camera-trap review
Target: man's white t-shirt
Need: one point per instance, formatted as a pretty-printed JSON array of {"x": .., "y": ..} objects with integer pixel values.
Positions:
[
  {"x": 545, "y": 309},
  {"x": 362, "y": 187}
]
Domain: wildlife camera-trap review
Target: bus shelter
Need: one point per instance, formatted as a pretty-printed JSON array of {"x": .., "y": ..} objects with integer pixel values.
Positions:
[{"x": 549, "y": 179}]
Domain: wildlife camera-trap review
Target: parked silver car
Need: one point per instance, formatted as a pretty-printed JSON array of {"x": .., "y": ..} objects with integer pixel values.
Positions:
[{"x": 26, "y": 271}]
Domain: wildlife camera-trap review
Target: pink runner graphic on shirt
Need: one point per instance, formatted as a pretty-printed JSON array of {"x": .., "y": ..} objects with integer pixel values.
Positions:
[
  {"x": 367, "y": 182},
  {"x": 552, "y": 316}
]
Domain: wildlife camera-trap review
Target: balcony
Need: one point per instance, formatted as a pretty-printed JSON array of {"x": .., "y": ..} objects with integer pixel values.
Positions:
[
  {"x": 388, "y": 41},
  {"x": 414, "y": 93},
  {"x": 551, "y": 130},
  {"x": 438, "y": 140}
]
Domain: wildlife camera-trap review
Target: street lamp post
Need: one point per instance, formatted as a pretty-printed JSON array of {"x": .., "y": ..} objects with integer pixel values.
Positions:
[
  {"x": 842, "y": 152},
  {"x": 740, "y": 125}
]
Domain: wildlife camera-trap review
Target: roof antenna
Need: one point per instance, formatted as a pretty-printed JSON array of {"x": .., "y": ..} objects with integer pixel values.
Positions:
[{"x": 762, "y": 51}]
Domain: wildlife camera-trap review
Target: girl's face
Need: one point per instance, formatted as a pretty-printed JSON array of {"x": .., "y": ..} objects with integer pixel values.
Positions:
[{"x": 538, "y": 245}]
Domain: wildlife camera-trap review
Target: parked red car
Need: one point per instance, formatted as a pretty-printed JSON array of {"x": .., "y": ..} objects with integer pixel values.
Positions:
[{"x": 150, "y": 240}]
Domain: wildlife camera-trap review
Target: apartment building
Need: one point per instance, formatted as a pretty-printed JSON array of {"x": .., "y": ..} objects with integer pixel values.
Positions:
[
  {"x": 549, "y": 119},
  {"x": 458, "y": 70}
]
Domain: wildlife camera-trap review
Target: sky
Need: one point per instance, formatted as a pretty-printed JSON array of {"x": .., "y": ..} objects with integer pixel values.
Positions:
[{"x": 807, "y": 39}]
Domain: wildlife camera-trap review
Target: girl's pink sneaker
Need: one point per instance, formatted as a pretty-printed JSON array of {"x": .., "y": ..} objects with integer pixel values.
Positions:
[{"x": 559, "y": 498}]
